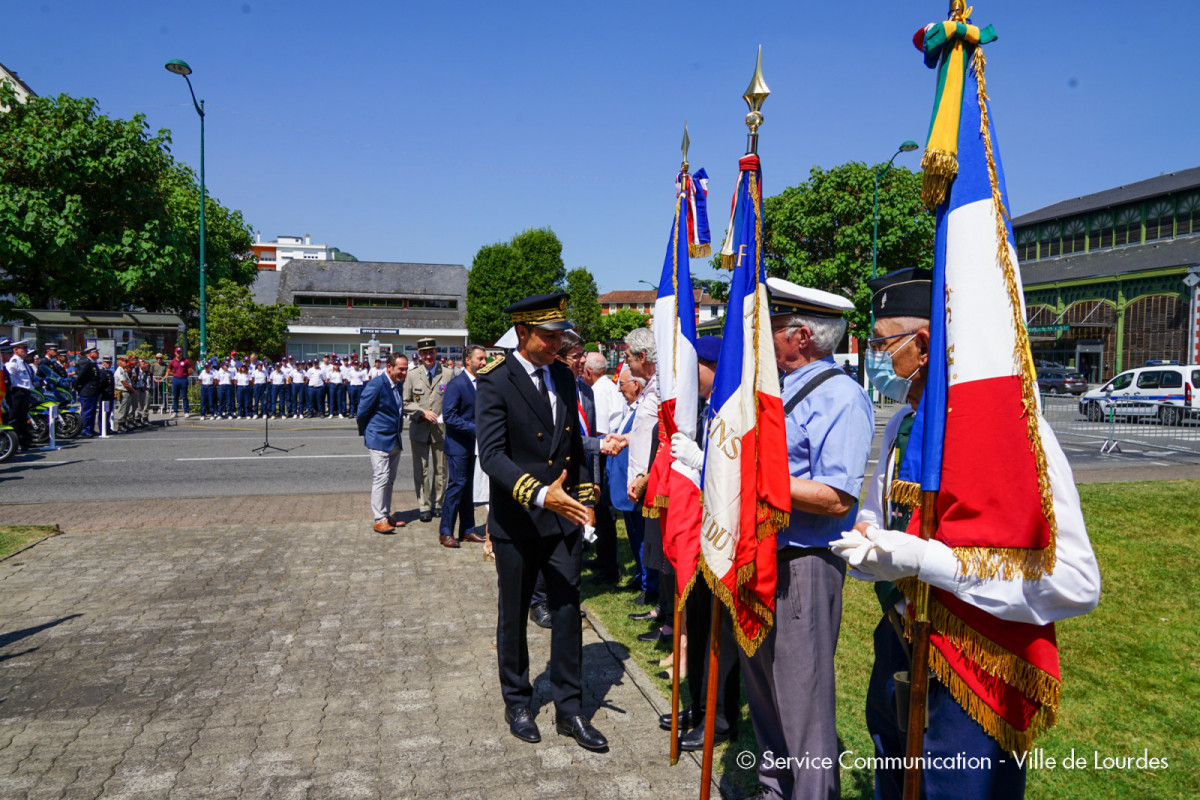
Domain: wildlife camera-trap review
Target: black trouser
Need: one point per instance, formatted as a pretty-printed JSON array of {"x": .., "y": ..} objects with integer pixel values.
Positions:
[
  {"x": 699, "y": 629},
  {"x": 18, "y": 406},
  {"x": 517, "y": 566}
]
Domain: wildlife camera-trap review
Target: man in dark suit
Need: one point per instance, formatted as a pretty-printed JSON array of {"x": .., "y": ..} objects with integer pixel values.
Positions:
[
  {"x": 88, "y": 382},
  {"x": 380, "y": 423},
  {"x": 458, "y": 410},
  {"x": 531, "y": 448}
]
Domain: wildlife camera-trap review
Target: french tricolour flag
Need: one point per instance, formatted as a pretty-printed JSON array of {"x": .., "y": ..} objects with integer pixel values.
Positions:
[
  {"x": 746, "y": 481},
  {"x": 675, "y": 486}
]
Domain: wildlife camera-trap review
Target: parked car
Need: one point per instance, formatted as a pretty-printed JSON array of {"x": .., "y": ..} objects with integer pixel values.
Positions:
[
  {"x": 1165, "y": 392},
  {"x": 1061, "y": 382}
]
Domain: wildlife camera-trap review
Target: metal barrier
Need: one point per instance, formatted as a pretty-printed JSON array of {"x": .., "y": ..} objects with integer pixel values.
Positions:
[{"x": 1144, "y": 423}]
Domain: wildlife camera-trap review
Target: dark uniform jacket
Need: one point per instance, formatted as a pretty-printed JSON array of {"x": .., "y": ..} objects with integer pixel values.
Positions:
[
  {"x": 522, "y": 448},
  {"x": 88, "y": 381}
]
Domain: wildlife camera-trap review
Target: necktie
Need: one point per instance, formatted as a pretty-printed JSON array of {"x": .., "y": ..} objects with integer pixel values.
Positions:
[{"x": 541, "y": 382}]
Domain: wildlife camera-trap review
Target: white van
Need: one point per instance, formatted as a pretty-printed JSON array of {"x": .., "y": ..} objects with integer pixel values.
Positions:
[{"x": 1166, "y": 391}]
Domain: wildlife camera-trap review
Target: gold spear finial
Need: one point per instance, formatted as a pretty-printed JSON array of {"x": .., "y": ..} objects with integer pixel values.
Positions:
[
  {"x": 687, "y": 142},
  {"x": 756, "y": 95}
]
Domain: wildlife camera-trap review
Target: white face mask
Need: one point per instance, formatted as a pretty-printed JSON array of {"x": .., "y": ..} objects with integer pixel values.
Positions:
[{"x": 883, "y": 375}]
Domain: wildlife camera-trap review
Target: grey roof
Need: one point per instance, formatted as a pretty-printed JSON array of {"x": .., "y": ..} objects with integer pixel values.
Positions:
[
  {"x": 6, "y": 71},
  {"x": 1151, "y": 187},
  {"x": 265, "y": 288},
  {"x": 384, "y": 278},
  {"x": 1180, "y": 252}
]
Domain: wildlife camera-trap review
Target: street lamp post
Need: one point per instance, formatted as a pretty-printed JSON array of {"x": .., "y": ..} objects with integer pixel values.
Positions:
[
  {"x": 648, "y": 283},
  {"x": 907, "y": 147},
  {"x": 181, "y": 68}
]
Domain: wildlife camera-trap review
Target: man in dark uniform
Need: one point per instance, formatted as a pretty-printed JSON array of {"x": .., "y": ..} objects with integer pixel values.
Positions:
[
  {"x": 49, "y": 368},
  {"x": 527, "y": 424},
  {"x": 88, "y": 383}
]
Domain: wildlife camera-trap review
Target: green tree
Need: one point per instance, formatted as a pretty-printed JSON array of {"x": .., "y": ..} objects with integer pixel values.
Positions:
[
  {"x": 615, "y": 325},
  {"x": 818, "y": 233},
  {"x": 97, "y": 214},
  {"x": 505, "y": 272},
  {"x": 584, "y": 306},
  {"x": 236, "y": 322}
]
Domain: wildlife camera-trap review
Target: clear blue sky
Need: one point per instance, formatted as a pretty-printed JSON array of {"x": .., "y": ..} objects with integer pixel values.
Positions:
[{"x": 419, "y": 132}]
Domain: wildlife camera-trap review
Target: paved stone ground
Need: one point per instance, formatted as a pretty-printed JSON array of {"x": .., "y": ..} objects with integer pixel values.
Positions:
[{"x": 288, "y": 660}]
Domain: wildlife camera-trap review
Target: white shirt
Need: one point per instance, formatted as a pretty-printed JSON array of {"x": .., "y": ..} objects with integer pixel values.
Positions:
[
  {"x": 610, "y": 405},
  {"x": 316, "y": 377},
  {"x": 335, "y": 376},
  {"x": 1072, "y": 589},
  {"x": 223, "y": 377},
  {"x": 277, "y": 377},
  {"x": 355, "y": 376},
  {"x": 242, "y": 378},
  {"x": 374, "y": 373},
  {"x": 641, "y": 435},
  {"x": 530, "y": 369},
  {"x": 260, "y": 376},
  {"x": 19, "y": 372},
  {"x": 206, "y": 377}
]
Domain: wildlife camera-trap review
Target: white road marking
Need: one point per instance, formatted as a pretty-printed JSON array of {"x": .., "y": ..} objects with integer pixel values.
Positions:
[{"x": 260, "y": 458}]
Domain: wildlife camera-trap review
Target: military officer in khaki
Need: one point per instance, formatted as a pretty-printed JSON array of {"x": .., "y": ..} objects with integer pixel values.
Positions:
[{"x": 423, "y": 391}]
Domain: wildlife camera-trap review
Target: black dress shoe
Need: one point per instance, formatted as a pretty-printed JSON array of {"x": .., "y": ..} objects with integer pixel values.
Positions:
[
  {"x": 685, "y": 720},
  {"x": 437, "y": 512},
  {"x": 521, "y": 724},
  {"x": 540, "y": 615},
  {"x": 646, "y": 599},
  {"x": 655, "y": 635},
  {"x": 426, "y": 516},
  {"x": 644, "y": 616},
  {"x": 694, "y": 739},
  {"x": 582, "y": 732}
]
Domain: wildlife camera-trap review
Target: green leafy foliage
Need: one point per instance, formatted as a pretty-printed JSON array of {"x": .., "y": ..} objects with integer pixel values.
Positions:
[
  {"x": 505, "y": 272},
  {"x": 236, "y": 322},
  {"x": 818, "y": 233},
  {"x": 615, "y": 325},
  {"x": 584, "y": 306},
  {"x": 96, "y": 213}
]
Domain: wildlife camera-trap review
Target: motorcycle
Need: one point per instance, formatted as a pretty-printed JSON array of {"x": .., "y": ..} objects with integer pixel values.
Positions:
[
  {"x": 70, "y": 422},
  {"x": 8, "y": 442}
]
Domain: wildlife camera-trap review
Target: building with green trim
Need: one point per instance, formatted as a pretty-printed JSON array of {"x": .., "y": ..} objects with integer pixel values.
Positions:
[{"x": 1110, "y": 278}]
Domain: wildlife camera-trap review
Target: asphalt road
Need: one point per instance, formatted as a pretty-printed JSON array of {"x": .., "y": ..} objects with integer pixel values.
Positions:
[{"x": 198, "y": 459}]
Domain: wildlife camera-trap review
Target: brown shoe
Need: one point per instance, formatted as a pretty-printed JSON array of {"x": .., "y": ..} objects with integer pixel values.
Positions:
[
  {"x": 395, "y": 520},
  {"x": 474, "y": 538},
  {"x": 383, "y": 526},
  {"x": 448, "y": 541}
]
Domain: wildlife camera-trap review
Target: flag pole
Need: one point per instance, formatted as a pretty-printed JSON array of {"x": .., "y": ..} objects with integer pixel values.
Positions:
[
  {"x": 918, "y": 691},
  {"x": 675, "y": 637},
  {"x": 755, "y": 95}
]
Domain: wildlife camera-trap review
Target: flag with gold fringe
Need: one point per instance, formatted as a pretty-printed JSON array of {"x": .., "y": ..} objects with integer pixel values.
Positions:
[
  {"x": 747, "y": 494},
  {"x": 980, "y": 406}
]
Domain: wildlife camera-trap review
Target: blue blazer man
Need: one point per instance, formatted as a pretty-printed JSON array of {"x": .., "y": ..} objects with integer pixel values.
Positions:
[
  {"x": 458, "y": 410},
  {"x": 379, "y": 417}
]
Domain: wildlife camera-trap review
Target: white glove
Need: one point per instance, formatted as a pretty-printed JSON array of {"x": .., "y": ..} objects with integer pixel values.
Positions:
[
  {"x": 589, "y": 534},
  {"x": 687, "y": 452},
  {"x": 889, "y": 556}
]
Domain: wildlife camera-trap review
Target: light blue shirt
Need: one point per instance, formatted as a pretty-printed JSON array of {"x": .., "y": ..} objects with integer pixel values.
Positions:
[{"x": 829, "y": 437}]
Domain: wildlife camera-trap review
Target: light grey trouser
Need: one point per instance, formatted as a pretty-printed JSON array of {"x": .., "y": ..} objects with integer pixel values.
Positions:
[
  {"x": 429, "y": 473},
  {"x": 124, "y": 406},
  {"x": 789, "y": 680},
  {"x": 141, "y": 408},
  {"x": 383, "y": 475}
]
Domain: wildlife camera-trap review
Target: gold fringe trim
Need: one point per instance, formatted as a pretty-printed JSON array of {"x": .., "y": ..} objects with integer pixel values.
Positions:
[
  {"x": 770, "y": 520},
  {"x": 1032, "y": 564},
  {"x": 749, "y": 645},
  {"x": 992, "y": 658},
  {"x": 905, "y": 493},
  {"x": 1005, "y": 563},
  {"x": 939, "y": 168},
  {"x": 699, "y": 250},
  {"x": 728, "y": 261},
  {"x": 661, "y": 501},
  {"x": 687, "y": 589},
  {"x": 650, "y": 512}
]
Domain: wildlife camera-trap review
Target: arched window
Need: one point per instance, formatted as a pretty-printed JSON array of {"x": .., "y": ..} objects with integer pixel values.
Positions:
[
  {"x": 1027, "y": 244},
  {"x": 1102, "y": 230},
  {"x": 1128, "y": 229},
  {"x": 1051, "y": 239},
  {"x": 1074, "y": 236},
  {"x": 1160, "y": 220},
  {"x": 1188, "y": 217}
]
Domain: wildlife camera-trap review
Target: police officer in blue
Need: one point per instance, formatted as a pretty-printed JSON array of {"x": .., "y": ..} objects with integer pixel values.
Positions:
[
  {"x": 829, "y": 424},
  {"x": 530, "y": 446}
]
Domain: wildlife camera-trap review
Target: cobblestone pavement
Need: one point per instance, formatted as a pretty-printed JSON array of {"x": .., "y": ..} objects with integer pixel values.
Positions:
[{"x": 289, "y": 660}]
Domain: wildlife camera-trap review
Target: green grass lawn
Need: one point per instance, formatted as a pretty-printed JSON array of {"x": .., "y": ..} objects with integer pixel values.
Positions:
[
  {"x": 1131, "y": 681},
  {"x": 14, "y": 537}
]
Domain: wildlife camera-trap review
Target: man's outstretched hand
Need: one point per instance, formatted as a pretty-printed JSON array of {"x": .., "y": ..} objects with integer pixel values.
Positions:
[
  {"x": 613, "y": 443},
  {"x": 561, "y": 503}
]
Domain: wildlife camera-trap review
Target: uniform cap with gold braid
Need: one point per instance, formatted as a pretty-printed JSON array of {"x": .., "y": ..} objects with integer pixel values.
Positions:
[
  {"x": 792, "y": 298},
  {"x": 428, "y": 343},
  {"x": 547, "y": 311}
]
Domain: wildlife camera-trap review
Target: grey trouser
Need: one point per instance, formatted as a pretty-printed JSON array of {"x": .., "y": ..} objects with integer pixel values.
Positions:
[
  {"x": 124, "y": 406},
  {"x": 383, "y": 475},
  {"x": 789, "y": 680},
  {"x": 141, "y": 408},
  {"x": 429, "y": 473}
]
